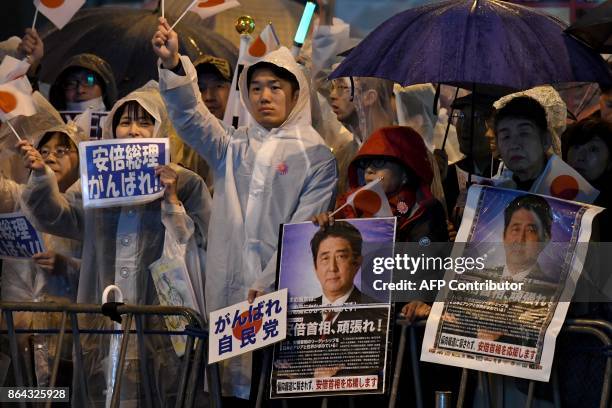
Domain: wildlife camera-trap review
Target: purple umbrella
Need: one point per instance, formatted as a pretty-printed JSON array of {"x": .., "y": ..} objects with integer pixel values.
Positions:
[{"x": 474, "y": 44}]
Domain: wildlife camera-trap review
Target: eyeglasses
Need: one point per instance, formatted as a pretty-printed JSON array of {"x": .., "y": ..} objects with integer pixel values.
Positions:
[
  {"x": 342, "y": 88},
  {"x": 375, "y": 164},
  {"x": 86, "y": 81},
  {"x": 461, "y": 115},
  {"x": 58, "y": 152}
]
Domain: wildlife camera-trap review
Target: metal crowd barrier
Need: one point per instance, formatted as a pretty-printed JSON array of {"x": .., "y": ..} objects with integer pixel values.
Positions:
[
  {"x": 192, "y": 361},
  {"x": 600, "y": 329}
]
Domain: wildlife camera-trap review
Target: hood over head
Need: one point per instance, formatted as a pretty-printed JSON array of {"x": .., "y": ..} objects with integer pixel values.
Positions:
[
  {"x": 415, "y": 108},
  {"x": 93, "y": 63},
  {"x": 300, "y": 115},
  {"x": 70, "y": 129},
  {"x": 399, "y": 143},
  {"x": 553, "y": 104},
  {"x": 149, "y": 98}
]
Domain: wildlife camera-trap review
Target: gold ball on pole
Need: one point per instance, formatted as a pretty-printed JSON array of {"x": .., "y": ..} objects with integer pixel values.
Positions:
[{"x": 245, "y": 25}]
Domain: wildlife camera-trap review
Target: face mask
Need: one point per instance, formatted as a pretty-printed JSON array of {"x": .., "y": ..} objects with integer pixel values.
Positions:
[{"x": 96, "y": 104}]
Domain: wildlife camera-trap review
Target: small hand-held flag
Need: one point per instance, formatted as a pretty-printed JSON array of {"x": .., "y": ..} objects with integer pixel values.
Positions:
[
  {"x": 59, "y": 12},
  {"x": 16, "y": 99},
  {"x": 561, "y": 181},
  {"x": 251, "y": 51},
  {"x": 12, "y": 68},
  {"x": 265, "y": 43},
  {"x": 207, "y": 8},
  {"x": 370, "y": 199}
]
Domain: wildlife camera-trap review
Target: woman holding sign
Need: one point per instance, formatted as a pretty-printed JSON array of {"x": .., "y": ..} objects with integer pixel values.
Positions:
[
  {"x": 49, "y": 275},
  {"x": 127, "y": 233}
]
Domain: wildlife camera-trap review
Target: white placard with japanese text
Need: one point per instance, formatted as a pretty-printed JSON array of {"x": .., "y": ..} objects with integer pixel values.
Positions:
[{"x": 245, "y": 326}]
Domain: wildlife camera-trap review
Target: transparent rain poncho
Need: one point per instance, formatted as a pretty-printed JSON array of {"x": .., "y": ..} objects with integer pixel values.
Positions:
[
  {"x": 415, "y": 108},
  {"x": 555, "y": 107},
  {"x": 263, "y": 178},
  {"x": 119, "y": 245},
  {"x": 23, "y": 280},
  {"x": 556, "y": 118},
  {"x": 369, "y": 101}
]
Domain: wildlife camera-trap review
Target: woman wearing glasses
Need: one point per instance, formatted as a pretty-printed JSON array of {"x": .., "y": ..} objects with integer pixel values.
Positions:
[
  {"x": 50, "y": 276},
  {"x": 121, "y": 245}
]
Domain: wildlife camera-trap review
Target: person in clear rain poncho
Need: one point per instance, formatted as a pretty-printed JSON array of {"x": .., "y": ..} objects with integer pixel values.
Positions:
[
  {"x": 119, "y": 245},
  {"x": 52, "y": 275},
  {"x": 273, "y": 172},
  {"x": 362, "y": 105}
]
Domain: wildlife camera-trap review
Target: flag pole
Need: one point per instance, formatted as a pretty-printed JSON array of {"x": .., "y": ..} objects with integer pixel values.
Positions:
[
  {"x": 338, "y": 209},
  {"x": 35, "y": 17},
  {"x": 14, "y": 131},
  {"x": 163, "y": 7},
  {"x": 183, "y": 15}
]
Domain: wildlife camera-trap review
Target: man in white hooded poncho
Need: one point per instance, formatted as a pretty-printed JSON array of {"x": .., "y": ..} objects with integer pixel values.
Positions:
[
  {"x": 119, "y": 245},
  {"x": 276, "y": 171}
]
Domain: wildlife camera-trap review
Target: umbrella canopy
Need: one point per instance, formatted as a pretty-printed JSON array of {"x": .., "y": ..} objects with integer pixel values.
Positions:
[
  {"x": 595, "y": 28},
  {"x": 488, "y": 43},
  {"x": 122, "y": 37}
]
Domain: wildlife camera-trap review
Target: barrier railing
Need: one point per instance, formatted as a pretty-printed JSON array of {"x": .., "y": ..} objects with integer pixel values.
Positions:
[{"x": 192, "y": 361}]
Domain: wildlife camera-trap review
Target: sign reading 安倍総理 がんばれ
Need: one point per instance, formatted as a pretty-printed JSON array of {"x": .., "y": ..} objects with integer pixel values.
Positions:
[{"x": 119, "y": 172}]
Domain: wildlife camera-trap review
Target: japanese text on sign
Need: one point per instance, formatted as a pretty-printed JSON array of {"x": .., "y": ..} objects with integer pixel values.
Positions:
[
  {"x": 245, "y": 327},
  {"x": 115, "y": 172},
  {"x": 19, "y": 239}
]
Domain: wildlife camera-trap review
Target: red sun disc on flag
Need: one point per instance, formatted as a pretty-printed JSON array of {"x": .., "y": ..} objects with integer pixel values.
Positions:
[
  {"x": 210, "y": 3},
  {"x": 52, "y": 3},
  {"x": 258, "y": 48},
  {"x": 237, "y": 331},
  {"x": 367, "y": 201},
  {"x": 8, "y": 102},
  {"x": 565, "y": 187}
]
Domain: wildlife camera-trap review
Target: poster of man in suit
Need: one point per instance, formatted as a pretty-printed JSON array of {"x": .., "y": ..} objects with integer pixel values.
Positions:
[
  {"x": 535, "y": 243},
  {"x": 338, "y": 326}
]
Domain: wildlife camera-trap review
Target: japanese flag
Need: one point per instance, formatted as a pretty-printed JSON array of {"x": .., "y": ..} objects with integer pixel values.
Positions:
[
  {"x": 208, "y": 8},
  {"x": 266, "y": 42},
  {"x": 251, "y": 51},
  {"x": 371, "y": 200},
  {"x": 561, "y": 181},
  {"x": 12, "y": 68},
  {"x": 59, "y": 12},
  {"x": 16, "y": 99}
]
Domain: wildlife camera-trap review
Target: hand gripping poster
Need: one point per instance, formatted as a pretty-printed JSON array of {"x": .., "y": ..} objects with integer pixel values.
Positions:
[
  {"x": 504, "y": 317},
  {"x": 338, "y": 327}
]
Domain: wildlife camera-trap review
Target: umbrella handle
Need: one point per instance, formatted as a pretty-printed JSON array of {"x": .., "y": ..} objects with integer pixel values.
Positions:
[
  {"x": 108, "y": 290},
  {"x": 450, "y": 117},
  {"x": 113, "y": 352}
]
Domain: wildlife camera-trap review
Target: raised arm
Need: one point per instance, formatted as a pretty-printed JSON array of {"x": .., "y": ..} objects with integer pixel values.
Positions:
[{"x": 178, "y": 85}]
